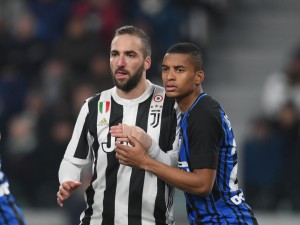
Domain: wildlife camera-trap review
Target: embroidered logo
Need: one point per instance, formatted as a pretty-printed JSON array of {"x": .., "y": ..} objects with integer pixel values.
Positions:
[
  {"x": 103, "y": 122},
  {"x": 104, "y": 106},
  {"x": 155, "y": 112}
]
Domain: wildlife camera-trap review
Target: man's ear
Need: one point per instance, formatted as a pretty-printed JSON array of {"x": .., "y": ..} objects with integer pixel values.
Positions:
[
  {"x": 147, "y": 63},
  {"x": 199, "y": 77}
]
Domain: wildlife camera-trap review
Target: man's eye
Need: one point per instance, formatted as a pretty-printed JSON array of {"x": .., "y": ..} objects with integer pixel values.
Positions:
[
  {"x": 179, "y": 70},
  {"x": 130, "y": 55}
]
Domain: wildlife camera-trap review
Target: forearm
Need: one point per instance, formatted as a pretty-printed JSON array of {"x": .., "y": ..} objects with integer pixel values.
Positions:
[
  {"x": 195, "y": 183},
  {"x": 169, "y": 158}
]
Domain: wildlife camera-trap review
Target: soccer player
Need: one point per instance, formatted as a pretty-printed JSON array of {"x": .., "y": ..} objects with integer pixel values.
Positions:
[
  {"x": 117, "y": 194},
  {"x": 208, "y": 160},
  {"x": 10, "y": 211}
]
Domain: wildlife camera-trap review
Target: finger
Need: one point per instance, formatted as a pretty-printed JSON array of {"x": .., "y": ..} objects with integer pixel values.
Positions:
[
  {"x": 60, "y": 199},
  {"x": 117, "y": 129},
  {"x": 120, "y": 155},
  {"x": 64, "y": 193},
  {"x": 122, "y": 139},
  {"x": 122, "y": 146},
  {"x": 116, "y": 134},
  {"x": 123, "y": 162},
  {"x": 75, "y": 185},
  {"x": 132, "y": 140},
  {"x": 65, "y": 186},
  {"x": 60, "y": 204}
]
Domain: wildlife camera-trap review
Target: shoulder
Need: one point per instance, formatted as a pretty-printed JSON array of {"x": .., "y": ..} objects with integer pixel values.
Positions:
[
  {"x": 95, "y": 98},
  {"x": 206, "y": 111},
  {"x": 207, "y": 105}
]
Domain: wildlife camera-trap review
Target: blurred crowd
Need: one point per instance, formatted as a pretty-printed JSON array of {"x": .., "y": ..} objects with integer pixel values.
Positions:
[
  {"x": 54, "y": 54},
  {"x": 272, "y": 148}
]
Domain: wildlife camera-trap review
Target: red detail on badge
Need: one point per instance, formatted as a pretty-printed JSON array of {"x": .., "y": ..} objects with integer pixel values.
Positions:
[{"x": 158, "y": 98}]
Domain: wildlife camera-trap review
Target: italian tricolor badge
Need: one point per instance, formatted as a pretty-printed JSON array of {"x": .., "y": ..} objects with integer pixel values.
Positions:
[{"x": 104, "y": 106}]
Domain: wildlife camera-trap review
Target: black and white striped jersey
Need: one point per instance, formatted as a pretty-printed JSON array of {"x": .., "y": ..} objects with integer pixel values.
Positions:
[{"x": 118, "y": 194}]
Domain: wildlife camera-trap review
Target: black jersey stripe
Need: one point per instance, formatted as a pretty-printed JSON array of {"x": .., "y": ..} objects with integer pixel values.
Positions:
[
  {"x": 111, "y": 171},
  {"x": 195, "y": 209},
  {"x": 166, "y": 139},
  {"x": 239, "y": 214},
  {"x": 138, "y": 175},
  {"x": 3, "y": 216},
  {"x": 92, "y": 128},
  {"x": 81, "y": 151},
  {"x": 226, "y": 153},
  {"x": 14, "y": 210},
  {"x": 168, "y": 126},
  {"x": 160, "y": 205},
  {"x": 213, "y": 207}
]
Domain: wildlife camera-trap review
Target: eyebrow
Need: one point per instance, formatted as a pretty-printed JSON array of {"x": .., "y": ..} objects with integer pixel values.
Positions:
[
  {"x": 176, "y": 66},
  {"x": 126, "y": 52}
]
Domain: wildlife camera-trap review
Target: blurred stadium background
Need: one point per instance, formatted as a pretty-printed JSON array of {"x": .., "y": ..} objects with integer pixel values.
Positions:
[{"x": 54, "y": 54}]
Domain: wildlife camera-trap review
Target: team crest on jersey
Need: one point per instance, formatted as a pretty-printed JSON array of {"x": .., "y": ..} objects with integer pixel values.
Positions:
[
  {"x": 158, "y": 98},
  {"x": 155, "y": 113},
  {"x": 104, "y": 106}
]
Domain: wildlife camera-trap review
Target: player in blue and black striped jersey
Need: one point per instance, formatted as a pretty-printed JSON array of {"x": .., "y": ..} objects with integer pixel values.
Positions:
[
  {"x": 208, "y": 159},
  {"x": 10, "y": 211}
]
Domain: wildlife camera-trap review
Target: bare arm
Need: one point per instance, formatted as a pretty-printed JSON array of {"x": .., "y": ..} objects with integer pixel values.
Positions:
[{"x": 199, "y": 181}]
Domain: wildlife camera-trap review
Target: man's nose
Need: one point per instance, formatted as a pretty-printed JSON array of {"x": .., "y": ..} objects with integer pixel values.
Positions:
[{"x": 121, "y": 61}]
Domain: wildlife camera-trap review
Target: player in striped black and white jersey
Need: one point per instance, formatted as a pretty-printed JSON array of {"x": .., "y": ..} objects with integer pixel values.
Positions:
[
  {"x": 120, "y": 195},
  {"x": 10, "y": 211},
  {"x": 208, "y": 161}
]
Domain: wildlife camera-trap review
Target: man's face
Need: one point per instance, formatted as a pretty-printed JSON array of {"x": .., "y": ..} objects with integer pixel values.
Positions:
[
  {"x": 127, "y": 61},
  {"x": 178, "y": 75}
]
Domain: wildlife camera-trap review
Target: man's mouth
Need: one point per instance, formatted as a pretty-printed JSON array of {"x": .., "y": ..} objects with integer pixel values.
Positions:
[
  {"x": 121, "y": 74},
  {"x": 170, "y": 88}
]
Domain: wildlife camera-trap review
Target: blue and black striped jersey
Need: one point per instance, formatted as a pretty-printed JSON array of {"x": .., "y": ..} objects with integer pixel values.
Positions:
[
  {"x": 208, "y": 142},
  {"x": 10, "y": 212}
]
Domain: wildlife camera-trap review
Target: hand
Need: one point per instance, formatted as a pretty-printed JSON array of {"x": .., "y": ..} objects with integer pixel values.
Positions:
[
  {"x": 134, "y": 155},
  {"x": 122, "y": 131},
  {"x": 65, "y": 191}
]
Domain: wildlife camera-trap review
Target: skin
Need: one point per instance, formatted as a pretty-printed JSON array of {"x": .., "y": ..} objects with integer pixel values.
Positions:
[
  {"x": 182, "y": 82},
  {"x": 127, "y": 63},
  {"x": 126, "y": 60}
]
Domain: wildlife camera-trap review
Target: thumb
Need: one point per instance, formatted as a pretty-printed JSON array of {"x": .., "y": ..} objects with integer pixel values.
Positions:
[
  {"x": 132, "y": 140},
  {"x": 75, "y": 184}
]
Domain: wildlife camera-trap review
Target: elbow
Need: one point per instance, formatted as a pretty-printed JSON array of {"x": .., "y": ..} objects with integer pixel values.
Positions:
[
  {"x": 203, "y": 191},
  {"x": 204, "y": 194}
]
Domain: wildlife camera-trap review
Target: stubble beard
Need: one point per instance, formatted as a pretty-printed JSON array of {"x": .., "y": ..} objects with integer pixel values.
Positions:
[{"x": 132, "y": 81}]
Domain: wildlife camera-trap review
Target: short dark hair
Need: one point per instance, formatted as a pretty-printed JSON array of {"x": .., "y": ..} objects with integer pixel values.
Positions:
[
  {"x": 132, "y": 30},
  {"x": 189, "y": 49}
]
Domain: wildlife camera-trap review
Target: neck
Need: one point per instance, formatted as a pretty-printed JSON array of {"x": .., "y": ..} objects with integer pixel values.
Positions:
[
  {"x": 186, "y": 102},
  {"x": 135, "y": 92}
]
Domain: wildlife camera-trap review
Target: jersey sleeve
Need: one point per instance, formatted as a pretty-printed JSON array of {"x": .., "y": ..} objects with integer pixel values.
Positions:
[
  {"x": 78, "y": 150},
  {"x": 69, "y": 171},
  {"x": 204, "y": 134}
]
